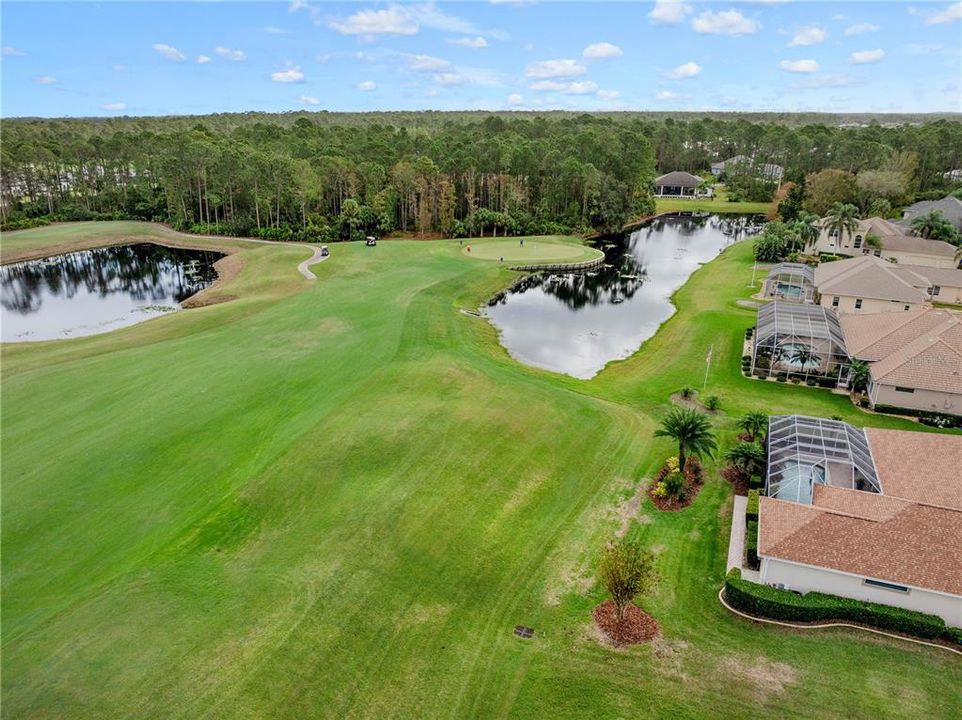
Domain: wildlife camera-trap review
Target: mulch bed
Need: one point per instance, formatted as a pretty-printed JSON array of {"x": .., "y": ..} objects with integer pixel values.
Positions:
[
  {"x": 671, "y": 504},
  {"x": 636, "y": 627}
]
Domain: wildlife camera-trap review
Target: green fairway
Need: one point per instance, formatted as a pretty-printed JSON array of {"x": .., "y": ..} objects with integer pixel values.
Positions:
[
  {"x": 336, "y": 498},
  {"x": 531, "y": 250}
]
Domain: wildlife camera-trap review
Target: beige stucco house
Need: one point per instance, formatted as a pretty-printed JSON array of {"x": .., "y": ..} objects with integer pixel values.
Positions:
[
  {"x": 873, "y": 515},
  {"x": 896, "y": 245},
  {"x": 945, "y": 284},
  {"x": 915, "y": 358},
  {"x": 869, "y": 284}
]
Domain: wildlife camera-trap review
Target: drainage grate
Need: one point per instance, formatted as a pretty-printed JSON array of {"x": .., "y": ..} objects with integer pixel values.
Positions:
[{"x": 523, "y": 632}]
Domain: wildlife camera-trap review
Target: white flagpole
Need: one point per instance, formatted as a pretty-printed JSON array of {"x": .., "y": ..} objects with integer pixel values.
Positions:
[{"x": 707, "y": 366}]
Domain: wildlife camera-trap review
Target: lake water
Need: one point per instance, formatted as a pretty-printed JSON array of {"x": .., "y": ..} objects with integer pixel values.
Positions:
[
  {"x": 576, "y": 323},
  {"x": 95, "y": 291}
]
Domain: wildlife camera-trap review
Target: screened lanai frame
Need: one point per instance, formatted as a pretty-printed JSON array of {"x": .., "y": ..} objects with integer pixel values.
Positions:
[
  {"x": 807, "y": 451},
  {"x": 797, "y": 340},
  {"x": 791, "y": 282}
]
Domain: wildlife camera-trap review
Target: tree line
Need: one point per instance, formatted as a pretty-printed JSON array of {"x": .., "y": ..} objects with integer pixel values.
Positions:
[{"x": 321, "y": 176}]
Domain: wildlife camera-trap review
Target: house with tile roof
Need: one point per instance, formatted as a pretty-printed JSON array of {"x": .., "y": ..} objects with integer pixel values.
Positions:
[
  {"x": 894, "y": 244},
  {"x": 915, "y": 358},
  {"x": 945, "y": 284},
  {"x": 873, "y": 515},
  {"x": 869, "y": 284}
]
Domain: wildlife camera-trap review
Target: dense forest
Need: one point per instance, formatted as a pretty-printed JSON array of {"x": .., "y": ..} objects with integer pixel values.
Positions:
[{"x": 323, "y": 176}]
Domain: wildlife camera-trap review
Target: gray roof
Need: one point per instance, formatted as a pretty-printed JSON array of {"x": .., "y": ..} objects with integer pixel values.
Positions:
[
  {"x": 950, "y": 207},
  {"x": 679, "y": 178},
  {"x": 801, "y": 270}
]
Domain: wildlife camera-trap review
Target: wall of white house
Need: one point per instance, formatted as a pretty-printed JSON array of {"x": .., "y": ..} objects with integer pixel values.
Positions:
[
  {"x": 930, "y": 400},
  {"x": 846, "y": 245},
  {"x": 907, "y": 258},
  {"x": 847, "y": 304},
  {"x": 806, "y": 578},
  {"x": 948, "y": 294}
]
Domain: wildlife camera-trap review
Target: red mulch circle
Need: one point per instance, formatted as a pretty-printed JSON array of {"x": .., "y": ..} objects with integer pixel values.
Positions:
[
  {"x": 636, "y": 627},
  {"x": 692, "y": 488}
]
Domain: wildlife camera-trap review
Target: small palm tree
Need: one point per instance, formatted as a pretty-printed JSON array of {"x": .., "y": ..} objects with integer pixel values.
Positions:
[
  {"x": 748, "y": 457},
  {"x": 691, "y": 429},
  {"x": 803, "y": 356},
  {"x": 807, "y": 225},
  {"x": 754, "y": 424},
  {"x": 842, "y": 218},
  {"x": 858, "y": 375}
]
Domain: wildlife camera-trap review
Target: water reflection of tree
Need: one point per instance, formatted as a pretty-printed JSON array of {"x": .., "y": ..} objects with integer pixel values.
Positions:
[{"x": 144, "y": 271}]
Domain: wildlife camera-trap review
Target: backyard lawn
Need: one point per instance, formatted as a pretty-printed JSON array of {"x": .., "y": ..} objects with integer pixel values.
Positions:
[
  {"x": 338, "y": 498},
  {"x": 718, "y": 204}
]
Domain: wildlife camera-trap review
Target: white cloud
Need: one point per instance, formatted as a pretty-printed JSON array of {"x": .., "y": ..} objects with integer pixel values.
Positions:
[
  {"x": 45, "y": 80},
  {"x": 273, "y": 30},
  {"x": 601, "y": 51},
  {"x": 426, "y": 63},
  {"x": 726, "y": 22},
  {"x": 203, "y": 59},
  {"x": 799, "y": 66},
  {"x": 515, "y": 99},
  {"x": 818, "y": 82},
  {"x": 477, "y": 42},
  {"x": 809, "y": 35},
  {"x": 119, "y": 68},
  {"x": 292, "y": 74},
  {"x": 367, "y": 85},
  {"x": 9, "y": 51},
  {"x": 308, "y": 100},
  {"x": 228, "y": 54},
  {"x": 669, "y": 12},
  {"x": 169, "y": 52},
  {"x": 949, "y": 14},
  {"x": 554, "y": 69},
  {"x": 395, "y": 20},
  {"x": 861, "y": 29},
  {"x": 867, "y": 56},
  {"x": 114, "y": 106},
  {"x": 449, "y": 79},
  {"x": 579, "y": 87},
  {"x": 608, "y": 94},
  {"x": 688, "y": 70},
  {"x": 312, "y": 10},
  {"x": 428, "y": 15},
  {"x": 669, "y": 95}
]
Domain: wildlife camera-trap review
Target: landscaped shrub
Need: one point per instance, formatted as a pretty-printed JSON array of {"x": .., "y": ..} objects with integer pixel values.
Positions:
[
  {"x": 756, "y": 481},
  {"x": 827, "y": 382},
  {"x": 746, "y": 358},
  {"x": 770, "y": 602},
  {"x": 751, "y": 509},
  {"x": 694, "y": 470},
  {"x": 687, "y": 392},
  {"x": 712, "y": 402},
  {"x": 751, "y": 544},
  {"x": 781, "y": 377},
  {"x": 952, "y": 634},
  {"x": 934, "y": 419},
  {"x": 24, "y": 224},
  {"x": 811, "y": 382}
]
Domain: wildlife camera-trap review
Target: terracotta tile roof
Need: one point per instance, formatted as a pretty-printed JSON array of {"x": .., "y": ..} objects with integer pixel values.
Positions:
[
  {"x": 928, "y": 363},
  {"x": 915, "y": 545},
  {"x": 919, "y": 467},
  {"x": 870, "y": 277},
  {"x": 875, "y": 336}
]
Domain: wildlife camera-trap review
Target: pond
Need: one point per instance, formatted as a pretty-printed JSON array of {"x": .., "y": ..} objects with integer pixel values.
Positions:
[
  {"x": 576, "y": 323},
  {"x": 95, "y": 291}
]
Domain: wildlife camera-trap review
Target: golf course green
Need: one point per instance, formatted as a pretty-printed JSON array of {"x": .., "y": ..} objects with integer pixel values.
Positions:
[
  {"x": 531, "y": 250},
  {"x": 337, "y": 498}
]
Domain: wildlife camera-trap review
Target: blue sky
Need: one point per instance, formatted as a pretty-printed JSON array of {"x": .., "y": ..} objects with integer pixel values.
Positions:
[{"x": 117, "y": 58}]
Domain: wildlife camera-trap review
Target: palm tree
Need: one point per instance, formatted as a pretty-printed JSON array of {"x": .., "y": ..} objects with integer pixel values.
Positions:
[
  {"x": 754, "y": 424},
  {"x": 841, "y": 218},
  {"x": 803, "y": 356},
  {"x": 748, "y": 457},
  {"x": 807, "y": 225},
  {"x": 934, "y": 226},
  {"x": 691, "y": 429},
  {"x": 858, "y": 375}
]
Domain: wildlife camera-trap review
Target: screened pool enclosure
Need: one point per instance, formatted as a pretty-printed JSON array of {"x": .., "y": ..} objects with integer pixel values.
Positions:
[
  {"x": 793, "y": 282},
  {"x": 805, "y": 451},
  {"x": 799, "y": 341}
]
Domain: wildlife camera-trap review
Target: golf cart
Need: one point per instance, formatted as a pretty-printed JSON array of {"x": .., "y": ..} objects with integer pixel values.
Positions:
[
  {"x": 324, "y": 251},
  {"x": 371, "y": 241}
]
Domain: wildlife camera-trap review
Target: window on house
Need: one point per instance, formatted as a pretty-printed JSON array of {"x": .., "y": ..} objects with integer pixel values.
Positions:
[
  {"x": 835, "y": 301},
  {"x": 858, "y": 241},
  {"x": 935, "y": 290},
  {"x": 878, "y": 253},
  {"x": 886, "y": 586},
  {"x": 905, "y": 307},
  {"x": 904, "y": 389},
  {"x": 858, "y": 304}
]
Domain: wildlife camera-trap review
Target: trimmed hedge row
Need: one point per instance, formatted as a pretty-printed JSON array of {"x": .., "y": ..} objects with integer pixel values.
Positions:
[
  {"x": 751, "y": 507},
  {"x": 926, "y": 417},
  {"x": 751, "y": 544},
  {"x": 769, "y": 602}
]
